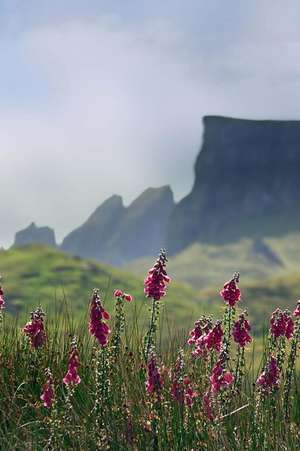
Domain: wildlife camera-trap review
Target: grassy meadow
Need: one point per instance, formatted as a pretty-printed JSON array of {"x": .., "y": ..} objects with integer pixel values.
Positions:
[{"x": 152, "y": 384}]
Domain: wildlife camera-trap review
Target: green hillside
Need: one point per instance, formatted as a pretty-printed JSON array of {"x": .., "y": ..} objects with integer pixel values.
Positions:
[
  {"x": 34, "y": 275},
  {"x": 205, "y": 265}
]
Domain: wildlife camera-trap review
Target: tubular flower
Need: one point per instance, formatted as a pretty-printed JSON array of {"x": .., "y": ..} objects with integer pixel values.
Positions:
[
  {"x": 281, "y": 324},
  {"x": 230, "y": 292},
  {"x": 72, "y": 377},
  {"x": 157, "y": 279},
  {"x": 269, "y": 378},
  {"x": 297, "y": 309},
  {"x": 201, "y": 326},
  {"x": 154, "y": 382},
  {"x": 220, "y": 378},
  {"x": 121, "y": 295},
  {"x": 213, "y": 339},
  {"x": 47, "y": 395},
  {"x": 97, "y": 325},
  {"x": 189, "y": 393},
  {"x": 34, "y": 329},
  {"x": 2, "y": 302},
  {"x": 240, "y": 331}
]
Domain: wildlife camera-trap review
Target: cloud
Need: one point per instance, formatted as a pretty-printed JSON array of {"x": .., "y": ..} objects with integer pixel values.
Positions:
[{"x": 101, "y": 101}]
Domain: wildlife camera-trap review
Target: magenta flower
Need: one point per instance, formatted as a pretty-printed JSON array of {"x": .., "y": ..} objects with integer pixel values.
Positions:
[
  {"x": 154, "y": 382},
  {"x": 121, "y": 295},
  {"x": 157, "y": 279},
  {"x": 269, "y": 378},
  {"x": 97, "y": 325},
  {"x": 72, "y": 377},
  {"x": 297, "y": 309},
  {"x": 201, "y": 326},
  {"x": 281, "y": 324},
  {"x": 2, "y": 302},
  {"x": 240, "y": 331},
  {"x": 213, "y": 339},
  {"x": 210, "y": 339},
  {"x": 189, "y": 393},
  {"x": 35, "y": 330},
  {"x": 47, "y": 395},
  {"x": 220, "y": 378},
  {"x": 230, "y": 292}
]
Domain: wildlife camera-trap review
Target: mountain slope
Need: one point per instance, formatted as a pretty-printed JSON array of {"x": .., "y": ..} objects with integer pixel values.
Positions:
[
  {"x": 34, "y": 275},
  {"x": 115, "y": 234}
]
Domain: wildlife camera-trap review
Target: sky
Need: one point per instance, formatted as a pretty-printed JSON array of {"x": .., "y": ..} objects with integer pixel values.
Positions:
[{"x": 107, "y": 97}]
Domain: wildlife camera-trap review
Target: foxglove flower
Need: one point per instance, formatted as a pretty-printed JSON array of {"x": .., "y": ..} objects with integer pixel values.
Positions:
[
  {"x": 213, "y": 339},
  {"x": 189, "y": 393},
  {"x": 72, "y": 377},
  {"x": 2, "y": 302},
  {"x": 47, "y": 395},
  {"x": 154, "y": 382},
  {"x": 220, "y": 378},
  {"x": 157, "y": 279},
  {"x": 297, "y": 310},
  {"x": 121, "y": 295},
  {"x": 269, "y": 378},
  {"x": 35, "y": 330},
  {"x": 230, "y": 292},
  {"x": 240, "y": 331},
  {"x": 98, "y": 315},
  {"x": 201, "y": 326},
  {"x": 281, "y": 324}
]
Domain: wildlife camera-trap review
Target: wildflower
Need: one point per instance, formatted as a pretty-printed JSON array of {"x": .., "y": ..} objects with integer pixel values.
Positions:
[
  {"x": 97, "y": 325},
  {"x": 220, "y": 378},
  {"x": 121, "y": 295},
  {"x": 281, "y": 324},
  {"x": 297, "y": 309},
  {"x": 240, "y": 331},
  {"x": 213, "y": 339},
  {"x": 72, "y": 377},
  {"x": 154, "y": 382},
  {"x": 189, "y": 393},
  {"x": 34, "y": 329},
  {"x": 230, "y": 292},
  {"x": 157, "y": 278},
  {"x": 269, "y": 378},
  {"x": 201, "y": 326},
  {"x": 47, "y": 395},
  {"x": 2, "y": 302}
]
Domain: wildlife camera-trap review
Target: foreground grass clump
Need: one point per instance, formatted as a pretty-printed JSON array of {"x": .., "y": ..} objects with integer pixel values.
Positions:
[{"x": 107, "y": 383}]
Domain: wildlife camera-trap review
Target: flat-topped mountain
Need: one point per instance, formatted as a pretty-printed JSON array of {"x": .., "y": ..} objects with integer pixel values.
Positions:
[
  {"x": 115, "y": 233},
  {"x": 35, "y": 235},
  {"x": 246, "y": 183}
]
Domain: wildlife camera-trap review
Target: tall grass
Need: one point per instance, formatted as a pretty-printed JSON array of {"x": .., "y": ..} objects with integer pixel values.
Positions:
[{"x": 111, "y": 408}]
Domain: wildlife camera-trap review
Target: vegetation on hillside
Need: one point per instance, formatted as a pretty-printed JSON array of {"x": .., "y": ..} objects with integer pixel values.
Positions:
[{"x": 101, "y": 382}]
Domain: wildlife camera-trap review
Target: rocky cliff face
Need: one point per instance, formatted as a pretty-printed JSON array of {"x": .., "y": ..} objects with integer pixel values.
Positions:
[
  {"x": 35, "y": 235},
  {"x": 246, "y": 183},
  {"x": 116, "y": 234}
]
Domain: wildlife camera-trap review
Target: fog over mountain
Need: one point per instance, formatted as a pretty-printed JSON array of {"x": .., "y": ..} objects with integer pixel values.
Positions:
[{"x": 99, "y": 97}]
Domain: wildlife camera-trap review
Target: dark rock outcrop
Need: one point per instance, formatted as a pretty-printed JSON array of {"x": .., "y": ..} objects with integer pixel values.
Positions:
[
  {"x": 116, "y": 234},
  {"x": 247, "y": 183},
  {"x": 35, "y": 235}
]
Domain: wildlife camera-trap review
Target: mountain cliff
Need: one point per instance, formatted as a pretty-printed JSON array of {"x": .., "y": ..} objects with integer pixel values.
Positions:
[
  {"x": 116, "y": 234},
  {"x": 35, "y": 235},
  {"x": 246, "y": 183}
]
